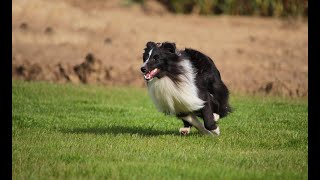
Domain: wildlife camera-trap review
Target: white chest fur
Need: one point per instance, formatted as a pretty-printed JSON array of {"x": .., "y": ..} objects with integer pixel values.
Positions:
[{"x": 171, "y": 98}]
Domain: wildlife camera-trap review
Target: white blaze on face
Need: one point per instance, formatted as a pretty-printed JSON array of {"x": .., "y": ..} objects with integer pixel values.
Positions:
[{"x": 150, "y": 52}]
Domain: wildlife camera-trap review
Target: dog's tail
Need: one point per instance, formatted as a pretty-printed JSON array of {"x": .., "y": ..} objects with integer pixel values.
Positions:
[
  {"x": 222, "y": 96},
  {"x": 224, "y": 109}
]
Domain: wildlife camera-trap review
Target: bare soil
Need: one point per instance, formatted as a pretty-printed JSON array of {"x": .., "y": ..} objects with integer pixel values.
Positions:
[{"x": 102, "y": 42}]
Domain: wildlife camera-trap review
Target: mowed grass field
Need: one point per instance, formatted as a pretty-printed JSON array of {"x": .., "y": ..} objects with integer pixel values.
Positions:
[{"x": 95, "y": 132}]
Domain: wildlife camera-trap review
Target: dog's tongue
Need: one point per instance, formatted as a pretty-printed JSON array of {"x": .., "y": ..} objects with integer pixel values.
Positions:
[{"x": 151, "y": 74}]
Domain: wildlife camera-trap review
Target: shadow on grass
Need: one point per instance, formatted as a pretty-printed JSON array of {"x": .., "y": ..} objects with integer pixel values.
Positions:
[{"x": 117, "y": 130}]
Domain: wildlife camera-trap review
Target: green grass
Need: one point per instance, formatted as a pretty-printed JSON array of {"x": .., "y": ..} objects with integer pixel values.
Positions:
[{"x": 95, "y": 132}]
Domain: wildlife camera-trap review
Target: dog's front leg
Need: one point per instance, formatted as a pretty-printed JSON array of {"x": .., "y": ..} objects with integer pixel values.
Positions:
[
  {"x": 192, "y": 119},
  {"x": 185, "y": 130}
]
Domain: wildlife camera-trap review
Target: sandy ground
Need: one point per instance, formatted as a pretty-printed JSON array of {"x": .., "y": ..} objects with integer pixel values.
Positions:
[{"x": 102, "y": 42}]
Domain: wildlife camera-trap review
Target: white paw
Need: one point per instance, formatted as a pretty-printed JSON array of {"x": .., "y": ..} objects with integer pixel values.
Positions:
[
  {"x": 216, "y": 117},
  {"x": 216, "y": 131},
  {"x": 184, "y": 131}
]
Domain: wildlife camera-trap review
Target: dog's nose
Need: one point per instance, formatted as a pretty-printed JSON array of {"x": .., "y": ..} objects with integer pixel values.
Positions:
[{"x": 143, "y": 69}]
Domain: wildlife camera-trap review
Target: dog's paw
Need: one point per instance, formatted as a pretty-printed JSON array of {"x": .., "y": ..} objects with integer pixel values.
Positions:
[
  {"x": 184, "y": 131},
  {"x": 216, "y": 131},
  {"x": 216, "y": 117}
]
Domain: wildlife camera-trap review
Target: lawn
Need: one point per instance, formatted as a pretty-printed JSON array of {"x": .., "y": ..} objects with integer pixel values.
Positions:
[{"x": 95, "y": 132}]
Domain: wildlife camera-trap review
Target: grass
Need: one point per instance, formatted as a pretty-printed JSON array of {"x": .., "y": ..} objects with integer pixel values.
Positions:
[{"x": 94, "y": 132}]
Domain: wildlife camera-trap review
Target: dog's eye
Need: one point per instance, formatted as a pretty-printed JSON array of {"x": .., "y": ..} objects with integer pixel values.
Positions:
[{"x": 156, "y": 57}]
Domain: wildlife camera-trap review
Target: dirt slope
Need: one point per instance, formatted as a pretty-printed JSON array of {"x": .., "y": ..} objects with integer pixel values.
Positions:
[{"x": 102, "y": 42}]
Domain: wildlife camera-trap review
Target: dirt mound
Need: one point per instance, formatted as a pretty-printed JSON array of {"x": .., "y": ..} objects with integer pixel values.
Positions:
[
  {"x": 102, "y": 42},
  {"x": 278, "y": 87},
  {"x": 90, "y": 71}
]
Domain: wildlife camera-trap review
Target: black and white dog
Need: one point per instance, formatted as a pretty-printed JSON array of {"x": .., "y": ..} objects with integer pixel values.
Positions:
[{"x": 186, "y": 84}]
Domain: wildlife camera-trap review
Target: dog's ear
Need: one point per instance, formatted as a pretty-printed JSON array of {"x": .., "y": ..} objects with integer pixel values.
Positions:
[
  {"x": 151, "y": 44},
  {"x": 169, "y": 46}
]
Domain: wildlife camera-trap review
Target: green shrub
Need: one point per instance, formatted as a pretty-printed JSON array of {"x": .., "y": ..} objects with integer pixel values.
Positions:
[{"x": 277, "y": 8}]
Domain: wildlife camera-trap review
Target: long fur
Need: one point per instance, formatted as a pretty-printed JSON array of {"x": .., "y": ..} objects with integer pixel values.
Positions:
[
  {"x": 172, "y": 98},
  {"x": 186, "y": 82}
]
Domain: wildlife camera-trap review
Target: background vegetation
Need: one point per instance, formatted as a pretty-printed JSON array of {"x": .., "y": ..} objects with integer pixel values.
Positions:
[{"x": 276, "y": 8}]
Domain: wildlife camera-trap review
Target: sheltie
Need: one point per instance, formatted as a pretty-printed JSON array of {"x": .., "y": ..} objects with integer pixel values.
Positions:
[{"x": 187, "y": 84}]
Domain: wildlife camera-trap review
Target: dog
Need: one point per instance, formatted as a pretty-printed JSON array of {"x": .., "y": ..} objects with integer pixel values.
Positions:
[{"x": 185, "y": 83}]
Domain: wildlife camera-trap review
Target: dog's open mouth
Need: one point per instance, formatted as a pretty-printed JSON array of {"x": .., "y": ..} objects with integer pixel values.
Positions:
[{"x": 149, "y": 75}]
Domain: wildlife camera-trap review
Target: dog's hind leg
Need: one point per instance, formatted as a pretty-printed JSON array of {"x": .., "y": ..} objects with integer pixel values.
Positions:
[
  {"x": 210, "y": 120},
  {"x": 216, "y": 117},
  {"x": 215, "y": 108}
]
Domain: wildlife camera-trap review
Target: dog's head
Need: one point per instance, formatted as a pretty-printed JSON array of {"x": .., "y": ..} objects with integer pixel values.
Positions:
[{"x": 158, "y": 59}]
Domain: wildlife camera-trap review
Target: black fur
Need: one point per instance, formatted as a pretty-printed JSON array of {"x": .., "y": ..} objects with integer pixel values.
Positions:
[
  {"x": 211, "y": 88},
  {"x": 208, "y": 79}
]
